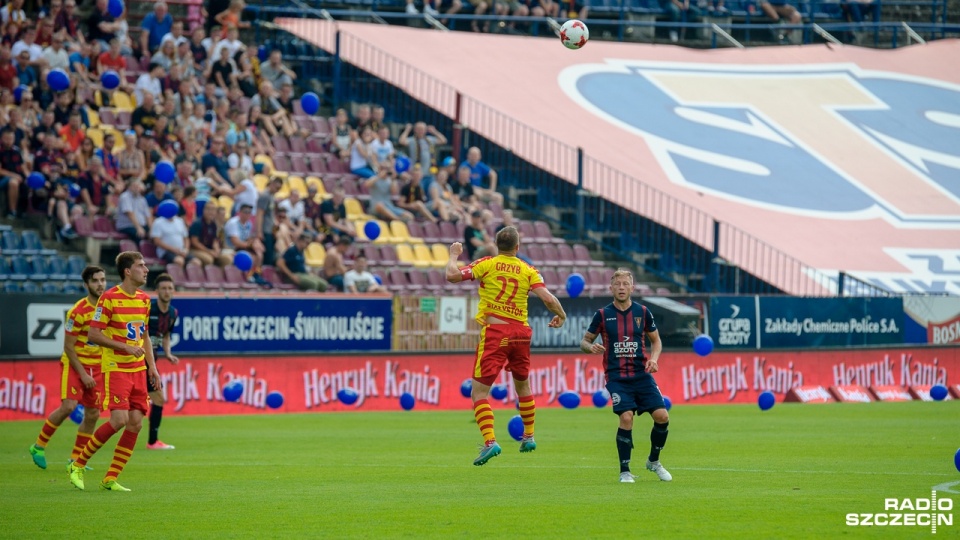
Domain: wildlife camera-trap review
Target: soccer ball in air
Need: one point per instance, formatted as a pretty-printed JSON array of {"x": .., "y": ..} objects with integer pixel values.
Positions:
[{"x": 574, "y": 34}]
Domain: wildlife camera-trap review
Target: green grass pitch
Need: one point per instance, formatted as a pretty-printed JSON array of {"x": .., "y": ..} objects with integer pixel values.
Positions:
[{"x": 792, "y": 472}]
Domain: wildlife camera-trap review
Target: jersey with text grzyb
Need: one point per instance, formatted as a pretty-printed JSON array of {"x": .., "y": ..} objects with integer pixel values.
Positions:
[
  {"x": 505, "y": 284},
  {"x": 622, "y": 333},
  {"x": 122, "y": 318}
]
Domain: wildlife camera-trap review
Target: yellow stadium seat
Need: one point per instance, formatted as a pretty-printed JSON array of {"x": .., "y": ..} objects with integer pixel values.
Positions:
[
  {"x": 355, "y": 210},
  {"x": 226, "y": 202},
  {"x": 95, "y": 135},
  {"x": 441, "y": 254},
  {"x": 118, "y": 143},
  {"x": 424, "y": 259},
  {"x": 386, "y": 237},
  {"x": 297, "y": 183},
  {"x": 261, "y": 181},
  {"x": 401, "y": 233},
  {"x": 315, "y": 254},
  {"x": 265, "y": 159},
  {"x": 316, "y": 181},
  {"x": 93, "y": 117},
  {"x": 405, "y": 254},
  {"x": 123, "y": 102}
]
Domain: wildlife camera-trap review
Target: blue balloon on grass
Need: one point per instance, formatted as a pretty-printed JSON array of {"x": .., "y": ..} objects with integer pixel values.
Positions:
[
  {"x": 667, "y": 404},
  {"x": 956, "y": 459},
  {"x": 402, "y": 164},
  {"x": 168, "y": 209},
  {"x": 310, "y": 103},
  {"x": 115, "y": 8},
  {"x": 466, "y": 388},
  {"x": 372, "y": 230},
  {"x": 274, "y": 400},
  {"x": 600, "y": 399},
  {"x": 74, "y": 189},
  {"x": 18, "y": 92},
  {"x": 703, "y": 344},
  {"x": 36, "y": 180},
  {"x": 766, "y": 400},
  {"x": 233, "y": 391},
  {"x": 575, "y": 284},
  {"x": 407, "y": 401},
  {"x": 347, "y": 396},
  {"x": 77, "y": 414},
  {"x": 569, "y": 400},
  {"x": 110, "y": 79},
  {"x": 58, "y": 80},
  {"x": 164, "y": 172},
  {"x": 498, "y": 391},
  {"x": 243, "y": 261},
  {"x": 515, "y": 427}
]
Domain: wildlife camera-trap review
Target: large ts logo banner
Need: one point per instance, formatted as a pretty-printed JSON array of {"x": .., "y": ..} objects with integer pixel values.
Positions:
[{"x": 822, "y": 141}]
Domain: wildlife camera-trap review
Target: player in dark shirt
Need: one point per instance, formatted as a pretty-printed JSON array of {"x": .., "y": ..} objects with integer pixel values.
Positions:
[
  {"x": 163, "y": 317},
  {"x": 628, "y": 370}
]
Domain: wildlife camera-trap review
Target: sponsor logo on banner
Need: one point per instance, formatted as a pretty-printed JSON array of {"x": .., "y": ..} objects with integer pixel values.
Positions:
[
  {"x": 853, "y": 393},
  {"x": 24, "y": 395},
  {"x": 891, "y": 393},
  {"x": 932, "y": 319},
  {"x": 45, "y": 328},
  {"x": 932, "y": 513},
  {"x": 923, "y": 393},
  {"x": 809, "y": 394},
  {"x": 738, "y": 376},
  {"x": 735, "y": 330}
]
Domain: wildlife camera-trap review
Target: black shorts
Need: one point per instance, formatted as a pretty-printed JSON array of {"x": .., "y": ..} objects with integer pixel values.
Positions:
[{"x": 641, "y": 396}]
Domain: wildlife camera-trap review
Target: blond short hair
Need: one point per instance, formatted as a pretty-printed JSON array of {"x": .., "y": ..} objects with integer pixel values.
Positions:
[{"x": 622, "y": 272}]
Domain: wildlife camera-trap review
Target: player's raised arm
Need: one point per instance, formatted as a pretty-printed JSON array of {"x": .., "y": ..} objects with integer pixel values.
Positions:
[
  {"x": 553, "y": 304},
  {"x": 454, "y": 274}
]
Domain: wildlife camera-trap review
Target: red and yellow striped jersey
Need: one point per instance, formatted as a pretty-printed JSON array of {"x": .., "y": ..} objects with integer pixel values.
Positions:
[
  {"x": 122, "y": 318},
  {"x": 78, "y": 325},
  {"x": 505, "y": 284}
]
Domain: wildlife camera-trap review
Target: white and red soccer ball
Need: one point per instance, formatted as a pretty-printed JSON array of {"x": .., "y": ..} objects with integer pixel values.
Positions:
[{"x": 574, "y": 34}]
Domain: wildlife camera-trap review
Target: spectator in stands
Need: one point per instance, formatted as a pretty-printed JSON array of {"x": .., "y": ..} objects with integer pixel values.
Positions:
[
  {"x": 205, "y": 238},
  {"x": 144, "y": 117},
  {"x": 382, "y": 188},
  {"x": 265, "y": 205},
  {"x": 480, "y": 172},
  {"x": 214, "y": 8},
  {"x": 421, "y": 146},
  {"x": 170, "y": 237},
  {"x": 231, "y": 42},
  {"x": 8, "y": 71},
  {"x": 377, "y": 119},
  {"x": 364, "y": 114},
  {"x": 26, "y": 73},
  {"x": 62, "y": 209},
  {"x": 62, "y": 109},
  {"x": 313, "y": 219},
  {"x": 11, "y": 170},
  {"x": 240, "y": 162},
  {"x": 442, "y": 200},
  {"x": 200, "y": 53},
  {"x": 412, "y": 197},
  {"x": 342, "y": 135},
  {"x": 229, "y": 19},
  {"x": 286, "y": 231},
  {"x": 274, "y": 118},
  {"x": 362, "y": 161},
  {"x": 83, "y": 64},
  {"x": 113, "y": 59},
  {"x": 215, "y": 165},
  {"x": 134, "y": 216},
  {"x": 477, "y": 242},
  {"x": 508, "y": 220},
  {"x": 857, "y": 11},
  {"x": 293, "y": 266},
  {"x": 111, "y": 165},
  {"x": 45, "y": 32},
  {"x": 55, "y": 55},
  {"x": 679, "y": 11},
  {"x": 188, "y": 203},
  {"x": 245, "y": 192},
  {"x": 166, "y": 56},
  {"x": 223, "y": 71},
  {"x": 149, "y": 83},
  {"x": 239, "y": 234},
  {"x": 778, "y": 11},
  {"x": 101, "y": 26},
  {"x": 155, "y": 25},
  {"x": 333, "y": 265},
  {"x": 333, "y": 215},
  {"x": 85, "y": 153},
  {"x": 294, "y": 206},
  {"x": 359, "y": 279},
  {"x": 13, "y": 11},
  {"x": 275, "y": 72},
  {"x": 246, "y": 85},
  {"x": 157, "y": 195},
  {"x": 72, "y": 133},
  {"x": 132, "y": 165},
  {"x": 28, "y": 42},
  {"x": 66, "y": 20},
  {"x": 381, "y": 149},
  {"x": 465, "y": 191},
  {"x": 176, "y": 34},
  {"x": 96, "y": 188}
]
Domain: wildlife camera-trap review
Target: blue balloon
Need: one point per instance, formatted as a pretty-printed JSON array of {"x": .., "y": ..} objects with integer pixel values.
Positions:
[
  {"x": 466, "y": 389},
  {"x": 498, "y": 391},
  {"x": 263, "y": 53},
  {"x": 956, "y": 459},
  {"x": 766, "y": 400},
  {"x": 115, "y": 8},
  {"x": 703, "y": 345},
  {"x": 74, "y": 189},
  {"x": 407, "y": 401},
  {"x": 372, "y": 230},
  {"x": 600, "y": 399},
  {"x": 36, "y": 180},
  {"x": 233, "y": 391},
  {"x": 164, "y": 172},
  {"x": 515, "y": 427},
  {"x": 110, "y": 79},
  {"x": 310, "y": 103},
  {"x": 347, "y": 396},
  {"x": 667, "y": 404},
  {"x": 168, "y": 209},
  {"x": 378, "y": 279},
  {"x": 575, "y": 284},
  {"x": 569, "y": 400},
  {"x": 243, "y": 261},
  {"x": 938, "y": 392},
  {"x": 58, "y": 80},
  {"x": 402, "y": 164},
  {"x": 274, "y": 400},
  {"x": 18, "y": 92},
  {"x": 77, "y": 414}
]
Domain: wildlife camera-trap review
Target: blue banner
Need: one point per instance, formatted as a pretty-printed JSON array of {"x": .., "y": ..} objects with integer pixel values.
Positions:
[
  {"x": 790, "y": 322},
  {"x": 734, "y": 322},
  {"x": 282, "y": 325}
]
